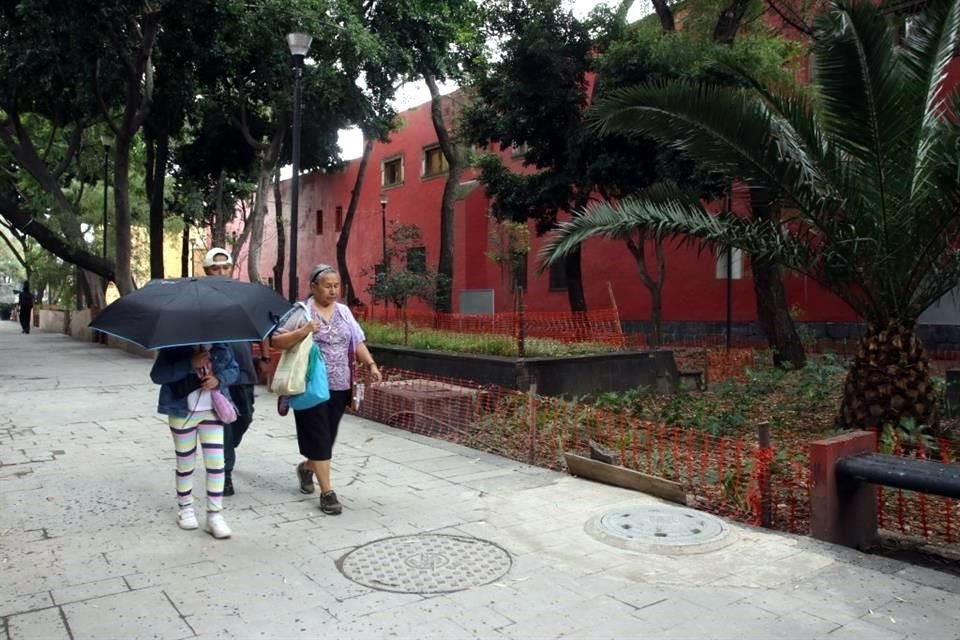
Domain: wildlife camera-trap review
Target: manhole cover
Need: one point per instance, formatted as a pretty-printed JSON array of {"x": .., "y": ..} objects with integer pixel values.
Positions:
[
  {"x": 425, "y": 563},
  {"x": 661, "y": 529}
]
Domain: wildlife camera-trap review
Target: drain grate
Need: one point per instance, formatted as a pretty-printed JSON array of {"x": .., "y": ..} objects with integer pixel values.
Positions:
[
  {"x": 660, "y": 529},
  {"x": 430, "y": 563}
]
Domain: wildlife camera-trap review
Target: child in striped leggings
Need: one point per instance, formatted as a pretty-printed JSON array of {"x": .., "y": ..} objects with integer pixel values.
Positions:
[{"x": 186, "y": 376}]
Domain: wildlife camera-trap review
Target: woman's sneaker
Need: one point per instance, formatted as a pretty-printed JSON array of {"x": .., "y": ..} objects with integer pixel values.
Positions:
[
  {"x": 329, "y": 504},
  {"x": 217, "y": 526},
  {"x": 305, "y": 476},
  {"x": 187, "y": 518}
]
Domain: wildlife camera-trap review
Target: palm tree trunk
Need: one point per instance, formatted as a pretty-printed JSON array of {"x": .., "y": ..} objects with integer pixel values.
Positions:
[{"x": 888, "y": 380}]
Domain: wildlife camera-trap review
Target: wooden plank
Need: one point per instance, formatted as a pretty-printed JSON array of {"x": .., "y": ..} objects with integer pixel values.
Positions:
[{"x": 626, "y": 478}]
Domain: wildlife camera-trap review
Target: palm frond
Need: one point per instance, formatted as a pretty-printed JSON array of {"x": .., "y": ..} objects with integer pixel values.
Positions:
[
  {"x": 727, "y": 128},
  {"x": 927, "y": 52},
  {"x": 663, "y": 217},
  {"x": 863, "y": 103}
]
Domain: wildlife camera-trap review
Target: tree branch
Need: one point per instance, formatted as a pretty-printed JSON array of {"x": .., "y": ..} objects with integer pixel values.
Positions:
[
  {"x": 52, "y": 242},
  {"x": 75, "y": 138},
  {"x": 16, "y": 254}
]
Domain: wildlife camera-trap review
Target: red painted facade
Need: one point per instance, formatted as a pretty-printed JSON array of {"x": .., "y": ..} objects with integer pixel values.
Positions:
[{"x": 693, "y": 292}]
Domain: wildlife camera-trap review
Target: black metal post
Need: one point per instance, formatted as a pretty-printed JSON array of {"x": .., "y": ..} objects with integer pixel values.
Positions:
[
  {"x": 383, "y": 225},
  {"x": 106, "y": 180},
  {"x": 383, "y": 230},
  {"x": 295, "y": 180},
  {"x": 729, "y": 294}
]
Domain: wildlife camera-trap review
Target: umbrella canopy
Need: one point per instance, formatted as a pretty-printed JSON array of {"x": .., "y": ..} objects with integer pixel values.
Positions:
[{"x": 185, "y": 311}]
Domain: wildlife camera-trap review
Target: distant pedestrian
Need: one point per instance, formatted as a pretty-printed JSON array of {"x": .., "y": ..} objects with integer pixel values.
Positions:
[
  {"x": 25, "y": 306},
  {"x": 341, "y": 342},
  {"x": 187, "y": 376},
  {"x": 218, "y": 262}
]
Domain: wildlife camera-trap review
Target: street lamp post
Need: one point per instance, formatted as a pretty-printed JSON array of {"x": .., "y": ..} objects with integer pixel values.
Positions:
[
  {"x": 107, "y": 141},
  {"x": 299, "y": 44}
]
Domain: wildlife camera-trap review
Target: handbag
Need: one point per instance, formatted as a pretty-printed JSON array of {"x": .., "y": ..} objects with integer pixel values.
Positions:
[
  {"x": 223, "y": 407},
  {"x": 318, "y": 387},
  {"x": 290, "y": 377}
]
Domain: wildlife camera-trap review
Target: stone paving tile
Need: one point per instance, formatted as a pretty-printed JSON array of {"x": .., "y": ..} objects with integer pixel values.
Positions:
[
  {"x": 46, "y": 624},
  {"x": 862, "y": 630},
  {"x": 12, "y": 604},
  {"x": 137, "y": 614},
  {"x": 89, "y": 590}
]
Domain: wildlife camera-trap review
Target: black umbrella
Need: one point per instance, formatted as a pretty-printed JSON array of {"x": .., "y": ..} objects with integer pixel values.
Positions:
[{"x": 186, "y": 311}]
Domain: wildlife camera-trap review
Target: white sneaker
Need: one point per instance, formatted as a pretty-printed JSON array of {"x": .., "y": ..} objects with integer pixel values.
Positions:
[
  {"x": 217, "y": 526},
  {"x": 187, "y": 519}
]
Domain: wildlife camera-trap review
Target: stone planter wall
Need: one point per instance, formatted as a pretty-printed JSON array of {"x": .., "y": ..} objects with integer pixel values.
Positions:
[{"x": 562, "y": 376}]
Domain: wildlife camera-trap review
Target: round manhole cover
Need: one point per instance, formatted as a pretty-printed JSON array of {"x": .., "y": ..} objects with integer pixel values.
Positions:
[
  {"x": 661, "y": 528},
  {"x": 425, "y": 563}
]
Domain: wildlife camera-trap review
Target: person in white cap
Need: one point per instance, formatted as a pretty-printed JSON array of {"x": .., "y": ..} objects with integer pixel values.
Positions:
[{"x": 219, "y": 262}]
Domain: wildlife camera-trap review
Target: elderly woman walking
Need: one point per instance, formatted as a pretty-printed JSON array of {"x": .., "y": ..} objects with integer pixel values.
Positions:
[{"x": 341, "y": 342}]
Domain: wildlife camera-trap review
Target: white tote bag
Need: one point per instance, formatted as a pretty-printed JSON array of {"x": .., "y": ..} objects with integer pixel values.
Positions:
[{"x": 290, "y": 378}]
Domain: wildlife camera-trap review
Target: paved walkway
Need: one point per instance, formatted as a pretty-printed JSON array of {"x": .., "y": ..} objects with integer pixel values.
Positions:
[{"x": 89, "y": 548}]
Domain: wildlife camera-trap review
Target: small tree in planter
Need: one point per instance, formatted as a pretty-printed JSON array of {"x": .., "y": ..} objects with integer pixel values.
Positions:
[
  {"x": 405, "y": 274},
  {"x": 509, "y": 247}
]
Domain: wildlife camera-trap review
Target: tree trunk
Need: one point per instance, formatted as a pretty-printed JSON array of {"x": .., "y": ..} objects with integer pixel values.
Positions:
[
  {"x": 665, "y": 15},
  {"x": 185, "y": 251},
  {"x": 255, "y": 222},
  {"x": 772, "y": 310},
  {"x": 121, "y": 198},
  {"x": 269, "y": 157},
  {"x": 281, "y": 234},
  {"x": 158, "y": 150},
  {"x": 349, "y": 293},
  {"x": 218, "y": 227},
  {"x": 728, "y": 23},
  {"x": 774, "y": 315},
  {"x": 444, "y": 295},
  {"x": 654, "y": 284},
  {"x": 575, "y": 295},
  {"x": 888, "y": 380},
  {"x": 93, "y": 289}
]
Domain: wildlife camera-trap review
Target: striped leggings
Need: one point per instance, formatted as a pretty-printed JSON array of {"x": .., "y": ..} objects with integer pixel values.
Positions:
[{"x": 202, "y": 426}]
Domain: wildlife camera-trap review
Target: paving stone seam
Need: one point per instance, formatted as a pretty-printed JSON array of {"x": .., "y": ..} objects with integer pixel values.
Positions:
[
  {"x": 179, "y": 613},
  {"x": 66, "y": 623}
]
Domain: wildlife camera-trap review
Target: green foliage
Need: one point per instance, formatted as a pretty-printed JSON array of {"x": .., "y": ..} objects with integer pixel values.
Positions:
[
  {"x": 784, "y": 398},
  {"x": 399, "y": 279}
]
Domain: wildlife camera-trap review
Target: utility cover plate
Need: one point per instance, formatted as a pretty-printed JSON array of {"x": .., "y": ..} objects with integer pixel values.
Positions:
[
  {"x": 661, "y": 529},
  {"x": 429, "y": 563}
]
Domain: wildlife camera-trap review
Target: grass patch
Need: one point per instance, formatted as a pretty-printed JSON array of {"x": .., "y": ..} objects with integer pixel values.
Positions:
[{"x": 484, "y": 344}]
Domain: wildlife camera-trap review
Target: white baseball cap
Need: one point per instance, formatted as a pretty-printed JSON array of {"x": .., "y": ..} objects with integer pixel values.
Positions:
[{"x": 209, "y": 259}]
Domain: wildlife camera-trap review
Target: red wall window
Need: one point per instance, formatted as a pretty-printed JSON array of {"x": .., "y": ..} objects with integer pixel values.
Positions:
[
  {"x": 339, "y": 219},
  {"x": 319, "y": 222}
]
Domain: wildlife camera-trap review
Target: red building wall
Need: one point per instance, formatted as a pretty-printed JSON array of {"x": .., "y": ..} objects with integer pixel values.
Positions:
[{"x": 692, "y": 290}]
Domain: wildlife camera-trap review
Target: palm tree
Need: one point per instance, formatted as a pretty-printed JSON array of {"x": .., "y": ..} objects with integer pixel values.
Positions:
[{"x": 867, "y": 159}]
